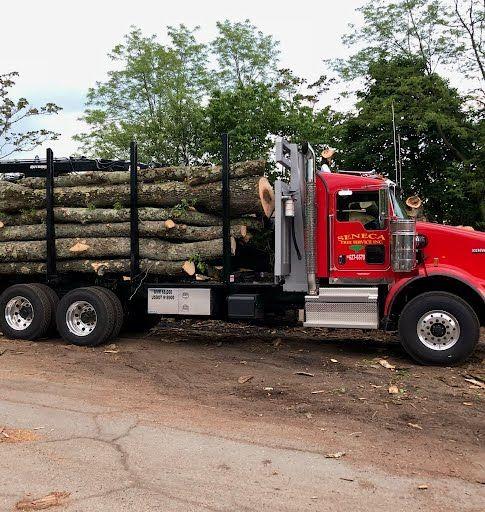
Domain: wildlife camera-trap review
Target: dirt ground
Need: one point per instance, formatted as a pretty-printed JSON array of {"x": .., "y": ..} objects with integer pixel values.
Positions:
[{"x": 322, "y": 392}]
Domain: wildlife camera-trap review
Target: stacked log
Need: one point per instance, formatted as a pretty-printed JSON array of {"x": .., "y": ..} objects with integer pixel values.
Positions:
[{"x": 180, "y": 223}]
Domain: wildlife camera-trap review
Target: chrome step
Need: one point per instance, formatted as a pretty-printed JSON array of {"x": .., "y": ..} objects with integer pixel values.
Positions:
[{"x": 353, "y": 307}]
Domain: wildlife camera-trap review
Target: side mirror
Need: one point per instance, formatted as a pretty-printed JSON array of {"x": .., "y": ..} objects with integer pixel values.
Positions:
[{"x": 383, "y": 206}]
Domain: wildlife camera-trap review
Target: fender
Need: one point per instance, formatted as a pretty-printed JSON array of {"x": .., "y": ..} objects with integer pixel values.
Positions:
[{"x": 477, "y": 285}]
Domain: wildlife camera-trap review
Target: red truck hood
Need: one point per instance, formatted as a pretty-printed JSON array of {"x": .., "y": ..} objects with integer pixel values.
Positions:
[{"x": 450, "y": 246}]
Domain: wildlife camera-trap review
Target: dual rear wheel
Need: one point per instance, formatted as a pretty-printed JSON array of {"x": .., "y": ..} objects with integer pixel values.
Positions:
[{"x": 85, "y": 316}]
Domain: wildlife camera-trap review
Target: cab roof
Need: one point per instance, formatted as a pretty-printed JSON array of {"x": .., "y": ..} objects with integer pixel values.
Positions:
[{"x": 338, "y": 181}]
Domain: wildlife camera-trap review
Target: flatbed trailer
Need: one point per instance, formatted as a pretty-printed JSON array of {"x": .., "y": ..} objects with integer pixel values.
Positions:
[{"x": 346, "y": 256}]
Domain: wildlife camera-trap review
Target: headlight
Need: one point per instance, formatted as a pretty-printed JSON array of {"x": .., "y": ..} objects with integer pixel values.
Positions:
[{"x": 421, "y": 241}]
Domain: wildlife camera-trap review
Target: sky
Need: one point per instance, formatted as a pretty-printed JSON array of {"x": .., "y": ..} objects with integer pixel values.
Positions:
[{"x": 60, "y": 47}]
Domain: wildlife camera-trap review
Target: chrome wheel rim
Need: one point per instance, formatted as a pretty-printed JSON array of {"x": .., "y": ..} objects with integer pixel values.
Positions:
[
  {"x": 438, "y": 330},
  {"x": 81, "y": 318},
  {"x": 19, "y": 313}
]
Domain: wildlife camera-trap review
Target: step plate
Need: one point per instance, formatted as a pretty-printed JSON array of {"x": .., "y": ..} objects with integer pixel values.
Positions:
[{"x": 342, "y": 310}]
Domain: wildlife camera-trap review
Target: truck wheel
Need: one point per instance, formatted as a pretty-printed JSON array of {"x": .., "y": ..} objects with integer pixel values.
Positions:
[
  {"x": 438, "y": 328},
  {"x": 25, "y": 312},
  {"x": 54, "y": 301},
  {"x": 119, "y": 313},
  {"x": 85, "y": 317}
]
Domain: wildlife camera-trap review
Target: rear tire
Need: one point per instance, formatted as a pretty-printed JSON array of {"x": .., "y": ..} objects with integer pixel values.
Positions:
[
  {"x": 54, "y": 301},
  {"x": 439, "y": 328},
  {"x": 85, "y": 317},
  {"x": 25, "y": 312},
  {"x": 118, "y": 308}
]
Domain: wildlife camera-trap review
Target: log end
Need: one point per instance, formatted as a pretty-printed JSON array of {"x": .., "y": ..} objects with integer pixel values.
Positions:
[
  {"x": 79, "y": 247},
  {"x": 266, "y": 196},
  {"x": 189, "y": 268}
]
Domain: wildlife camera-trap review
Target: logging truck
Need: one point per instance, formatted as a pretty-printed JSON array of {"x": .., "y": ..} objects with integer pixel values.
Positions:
[{"x": 346, "y": 255}]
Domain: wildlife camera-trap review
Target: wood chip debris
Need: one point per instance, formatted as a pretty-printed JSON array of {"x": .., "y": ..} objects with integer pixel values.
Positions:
[
  {"x": 415, "y": 425},
  {"x": 475, "y": 382},
  {"x": 393, "y": 389},
  {"x": 53, "y": 499},
  {"x": 245, "y": 378},
  {"x": 306, "y": 374},
  {"x": 386, "y": 364},
  {"x": 336, "y": 455},
  {"x": 334, "y": 360},
  {"x": 111, "y": 349},
  {"x": 318, "y": 391},
  {"x": 422, "y": 487}
]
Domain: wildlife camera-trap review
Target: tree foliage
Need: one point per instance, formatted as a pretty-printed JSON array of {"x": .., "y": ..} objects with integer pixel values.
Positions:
[
  {"x": 176, "y": 99},
  {"x": 442, "y": 33},
  {"x": 155, "y": 97},
  {"x": 12, "y": 113},
  {"x": 439, "y": 141},
  {"x": 245, "y": 55}
]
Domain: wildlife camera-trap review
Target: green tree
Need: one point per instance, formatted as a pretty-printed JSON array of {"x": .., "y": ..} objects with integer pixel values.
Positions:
[
  {"x": 12, "y": 113},
  {"x": 250, "y": 114},
  {"x": 155, "y": 96},
  {"x": 469, "y": 23},
  {"x": 444, "y": 34},
  {"x": 255, "y": 113},
  {"x": 440, "y": 143},
  {"x": 244, "y": 54},
  {"x": 401, "y": 28}
]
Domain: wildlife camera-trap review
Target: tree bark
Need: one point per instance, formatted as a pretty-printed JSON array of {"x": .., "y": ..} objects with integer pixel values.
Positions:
[
  {"x": 188, "y": 216},
  {"x": 14, "y": 197},
  {"x": 99, "y": 267},
  {"x": 101, "y": 215},
  {"x": 245, "y": 196},
  {"x": 157, "y": 229},
  {"x": 115, "y": 247},
  {"x": 192, "y": 174}
]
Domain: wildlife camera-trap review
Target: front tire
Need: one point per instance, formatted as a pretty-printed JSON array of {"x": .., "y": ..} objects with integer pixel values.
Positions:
[
  {"x": 438, "y": 328},
  {"x": 85, "y": 317}
]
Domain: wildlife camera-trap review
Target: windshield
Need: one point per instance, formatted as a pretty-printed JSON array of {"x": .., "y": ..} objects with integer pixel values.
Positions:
[{"x": 397, "y": 205}]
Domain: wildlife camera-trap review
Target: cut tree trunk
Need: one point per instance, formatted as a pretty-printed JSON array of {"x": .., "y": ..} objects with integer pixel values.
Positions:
[
  {"x": 192, "y": 174},
  {"x": 99, "y": 267},
  {"x": 188, "y": 216},
  {"x": 158, "y": 229},
  {"x": 101, "y": 215},
  {"x": 115, "y": 247},
  {"x": 245, "y": 196}
]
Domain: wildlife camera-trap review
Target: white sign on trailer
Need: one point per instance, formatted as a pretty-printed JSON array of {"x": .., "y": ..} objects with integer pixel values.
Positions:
[{"x": 179, "y": 301}]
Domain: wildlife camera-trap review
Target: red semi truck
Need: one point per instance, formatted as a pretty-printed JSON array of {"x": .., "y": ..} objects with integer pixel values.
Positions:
[{"x": 346, "y": 256}]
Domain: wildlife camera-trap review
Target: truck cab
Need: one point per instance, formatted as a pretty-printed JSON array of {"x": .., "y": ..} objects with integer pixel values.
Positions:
[{"x": 345, "y": 240}]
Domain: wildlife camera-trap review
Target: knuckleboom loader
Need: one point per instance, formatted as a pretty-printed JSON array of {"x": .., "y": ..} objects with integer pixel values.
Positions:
[{"x": 346, "y": 256}]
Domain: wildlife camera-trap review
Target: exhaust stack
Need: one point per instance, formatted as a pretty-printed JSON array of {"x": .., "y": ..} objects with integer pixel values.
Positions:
[{"x": 310, "y": 218}]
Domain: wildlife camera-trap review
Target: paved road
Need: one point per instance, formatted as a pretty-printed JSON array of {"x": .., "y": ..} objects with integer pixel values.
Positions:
[{"x": 117, "y": 458}]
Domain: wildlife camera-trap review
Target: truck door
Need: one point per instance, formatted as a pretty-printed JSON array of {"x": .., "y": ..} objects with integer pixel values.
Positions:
[{"x": 360, "y": 234}]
